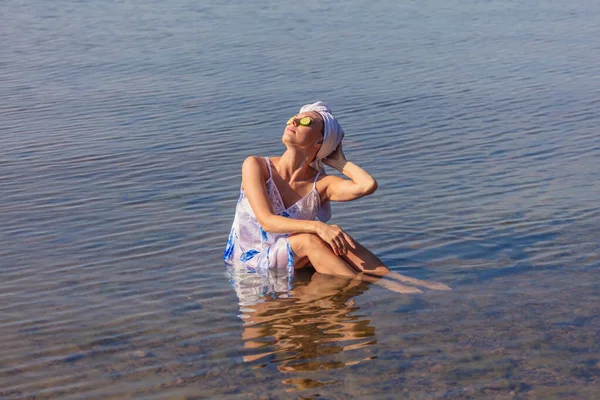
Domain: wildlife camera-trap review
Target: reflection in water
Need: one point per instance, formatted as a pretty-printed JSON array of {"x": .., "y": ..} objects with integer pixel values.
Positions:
[{"x": 308, "y": 328}]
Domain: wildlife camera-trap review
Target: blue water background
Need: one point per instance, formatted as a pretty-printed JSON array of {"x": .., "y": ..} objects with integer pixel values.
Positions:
[{"x": 123, "y": 128}]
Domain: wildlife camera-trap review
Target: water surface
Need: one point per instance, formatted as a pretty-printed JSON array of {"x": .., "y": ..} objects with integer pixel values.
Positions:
[{"x": 124, "y": 126}]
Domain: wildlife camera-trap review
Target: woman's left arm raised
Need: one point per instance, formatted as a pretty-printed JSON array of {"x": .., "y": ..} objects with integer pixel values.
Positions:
[{"x": 338, "y": 189}]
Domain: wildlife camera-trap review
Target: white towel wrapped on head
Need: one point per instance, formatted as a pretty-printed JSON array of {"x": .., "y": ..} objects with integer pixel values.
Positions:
[{"x": 332, "y": 137}]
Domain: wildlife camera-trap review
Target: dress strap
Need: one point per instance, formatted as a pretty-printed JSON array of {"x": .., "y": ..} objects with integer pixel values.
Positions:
[
  {"x": 316, "y": 177},
  {"x": 269, "y": 166}
]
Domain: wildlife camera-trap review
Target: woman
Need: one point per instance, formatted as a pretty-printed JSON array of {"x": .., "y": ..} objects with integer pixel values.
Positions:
[{"x": 275, "y": 230}]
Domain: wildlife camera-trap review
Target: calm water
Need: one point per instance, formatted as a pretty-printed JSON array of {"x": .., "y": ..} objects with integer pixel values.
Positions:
[{"x": 123, "y": 128}]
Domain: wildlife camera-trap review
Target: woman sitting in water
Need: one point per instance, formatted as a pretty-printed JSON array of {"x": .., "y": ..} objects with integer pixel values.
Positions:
[{"x": 275, "y": 226}]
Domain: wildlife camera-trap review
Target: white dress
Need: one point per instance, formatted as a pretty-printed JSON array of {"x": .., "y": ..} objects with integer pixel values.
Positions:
[{"x": 262, "y": 262}]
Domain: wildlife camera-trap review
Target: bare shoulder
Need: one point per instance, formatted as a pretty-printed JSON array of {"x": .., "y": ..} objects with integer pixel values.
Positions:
[
  {"x": 324, "y": 182},
  {"x": 253, "y": 162},
  {"x": 253, "y": 165}
]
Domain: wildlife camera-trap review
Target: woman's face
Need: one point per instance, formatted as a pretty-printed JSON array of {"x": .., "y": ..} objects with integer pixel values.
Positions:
[{"x": 298, "y": 134}]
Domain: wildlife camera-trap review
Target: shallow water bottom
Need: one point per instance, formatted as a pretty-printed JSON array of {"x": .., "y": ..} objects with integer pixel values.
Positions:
[{"x": 534, "y": 335}]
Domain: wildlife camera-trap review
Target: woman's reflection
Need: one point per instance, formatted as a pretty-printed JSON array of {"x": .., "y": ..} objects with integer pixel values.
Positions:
[{"x": 316, "y": 319}]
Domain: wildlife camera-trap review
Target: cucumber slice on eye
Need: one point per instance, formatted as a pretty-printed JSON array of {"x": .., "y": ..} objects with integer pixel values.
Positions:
[{"x": 305, "y": 121}]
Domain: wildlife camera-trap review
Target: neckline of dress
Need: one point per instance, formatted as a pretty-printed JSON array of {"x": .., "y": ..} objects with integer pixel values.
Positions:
[{"x": 281, "y": 198}]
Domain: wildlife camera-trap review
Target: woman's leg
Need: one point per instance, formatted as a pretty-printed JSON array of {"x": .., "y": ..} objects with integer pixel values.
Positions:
[
  {"x": 307, "y": 246},
  {"x": 300, "y": 262},
  {"x": 311, "y": 248},
  {"x": 363, "y": 260}
]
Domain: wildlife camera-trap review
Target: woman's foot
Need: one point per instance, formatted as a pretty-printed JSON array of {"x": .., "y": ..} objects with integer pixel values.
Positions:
[
  {"x": 390, "y": 285},
  {"x": 417, "y": 282}
]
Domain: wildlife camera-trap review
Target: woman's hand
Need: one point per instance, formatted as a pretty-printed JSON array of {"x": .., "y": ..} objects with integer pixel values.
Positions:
[
  {"x": 337, "y": 159},
  {"x": 336, "y": 238}
]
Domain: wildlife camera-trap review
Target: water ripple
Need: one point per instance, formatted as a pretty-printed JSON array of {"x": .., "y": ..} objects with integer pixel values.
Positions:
[{"x": 124, "y": 126}]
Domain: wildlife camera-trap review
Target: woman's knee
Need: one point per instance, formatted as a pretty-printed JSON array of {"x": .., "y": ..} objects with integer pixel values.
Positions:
[{"x": 302, "y": 243}]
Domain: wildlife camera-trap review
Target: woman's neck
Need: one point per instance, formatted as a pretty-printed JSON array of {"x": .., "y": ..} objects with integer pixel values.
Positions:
[{"x": 294, "y": 165}]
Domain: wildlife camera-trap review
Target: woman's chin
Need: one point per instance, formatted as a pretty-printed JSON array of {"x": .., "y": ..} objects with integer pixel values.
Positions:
[{"x": 288, "y": 138}]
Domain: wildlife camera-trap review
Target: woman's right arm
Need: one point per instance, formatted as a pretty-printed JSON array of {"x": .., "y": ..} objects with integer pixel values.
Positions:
[{"x": 255, "y": 188}]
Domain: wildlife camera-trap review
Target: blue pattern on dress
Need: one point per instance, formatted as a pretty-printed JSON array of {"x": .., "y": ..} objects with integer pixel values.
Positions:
[
  {"x": 248, "y": 255},
  {"x": 290, "y": 255},
  {"x": 263, "y": 234},
  {"x": 290, "y": 266},
  {"x": 230, "y": 245}
]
